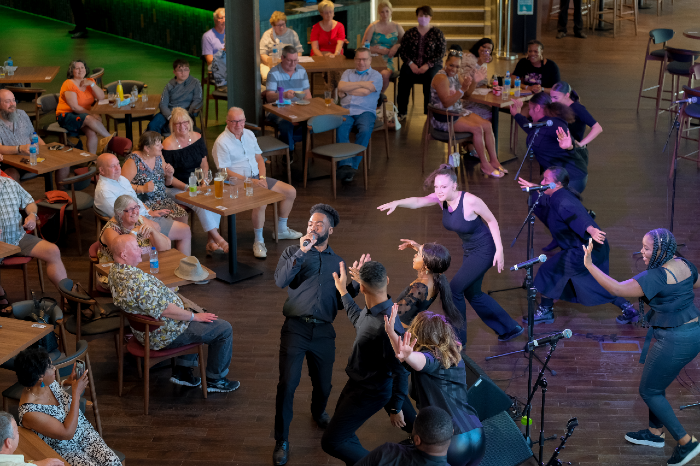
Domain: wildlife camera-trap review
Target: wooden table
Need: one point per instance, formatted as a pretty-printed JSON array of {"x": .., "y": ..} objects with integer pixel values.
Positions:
[
  {"x": 693, "y": 33},
  {"x": 32, "y": 74},
  {"x": 235, "y": 272},
  {"x": 8, "y": 250},
  {"x": 496, "y": 103},
  {"x": 17, "y": 335},
  {"x": 339, "y": 63},
  {"x": 35, "y": 449},
  {"x": 141, "y": 108},
  {"x": 55, "y": 159},
  {"x": 168, "y": 261}
]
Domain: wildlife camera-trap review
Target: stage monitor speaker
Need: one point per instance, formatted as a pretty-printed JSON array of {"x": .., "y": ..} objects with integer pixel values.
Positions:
[
  {"x": 484, "y": 395},
  {"x": 505, "y": 444}
]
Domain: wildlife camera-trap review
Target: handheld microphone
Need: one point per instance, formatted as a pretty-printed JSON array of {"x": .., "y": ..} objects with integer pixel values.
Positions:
[
  {"x": 689, "y": 100},
  {"x": 549, "y": 339},
  {"x": 541, "y": 258},
  {"x": 540, "y": 124},
  {"x": 307, "y": 241},
  {"x": 545, "y": 187}
]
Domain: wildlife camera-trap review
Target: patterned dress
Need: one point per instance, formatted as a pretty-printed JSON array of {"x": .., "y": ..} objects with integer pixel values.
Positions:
[
  {"x": 157, "y": 199},
  {"x": 386, "y": 41},
  {"x": 468, "y": 67},
  {"x": 455, "y": 107},
  {"x": 86, "y": 448}
]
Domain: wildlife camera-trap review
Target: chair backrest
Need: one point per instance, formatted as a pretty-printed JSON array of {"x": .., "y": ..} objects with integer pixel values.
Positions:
[
  {"x": 689, "y": 91},
  {"x": 323, "y": 123},
  {"x": 23, "y": 309},
  {"x": 97, "y": 74},
  {"x": 47, "y": 103},
  {"x": 126, "y": 85},
  {"x": 68, "y": 360},
  {"x": 661, "y": 35},
  {"x": 65, "y": 287},
  {"x": 104, "y": 217},
  {"x": 94, "y": 247},
  {"x": 140, "y": 322},
  {"x": 682, "y": 55},
  {"x": 81, "y": 181},
  {"x": 695, "y": 69}
]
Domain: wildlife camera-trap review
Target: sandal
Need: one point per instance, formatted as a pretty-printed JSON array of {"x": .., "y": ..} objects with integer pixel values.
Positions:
[
  {"x": 502, "y": 170},
  {"x": 223, "y": 245},
  {"x": 495, "y": 173},
  {"x": 212, "y": 247}
]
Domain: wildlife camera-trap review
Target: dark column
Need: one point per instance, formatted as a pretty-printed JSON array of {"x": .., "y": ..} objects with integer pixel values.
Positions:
[{"x": 242, "y": 59}]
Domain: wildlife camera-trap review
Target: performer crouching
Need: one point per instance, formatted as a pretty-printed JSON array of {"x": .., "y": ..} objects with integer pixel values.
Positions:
[{"x": 563, "y": 276}]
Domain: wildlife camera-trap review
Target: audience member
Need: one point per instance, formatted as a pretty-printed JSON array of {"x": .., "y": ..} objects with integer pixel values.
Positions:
[
  {"x": 182, "y": 91},
  {"x": 80, "y": 30},
  {"x": 327, "y": 36},
  {"x": 218, "y": 70},
  {"x": 138, "y": 292},
  {"x": 291, "y": 76},
  {"x": 16, "y": 130},
  {"x": 376, "y": 377},
  {"x": 149, "y": 174},
  {"x": 564, "y": 18},
  {"x": 432, "y": 433},
  {"x": 186, "y": 150},
  {"x": 446, "y": 92},
  {"x": 237, "y": 150},
  {"x": 358, "y": 90},
  {"x": 422, "y": 50},
  {"x": 112, "y": 184},
  {"x": 472, "y": 62},
  {"x": 278, "y": 36},
  {"x": 384, "y": 37},
  {"x": 48, "y": 410},
  {"x": 78, "y": 93},
  {"x": 213, "y": 39},
  {"x": 536, "y": 73},
  {"x": 9, "y": 441}
]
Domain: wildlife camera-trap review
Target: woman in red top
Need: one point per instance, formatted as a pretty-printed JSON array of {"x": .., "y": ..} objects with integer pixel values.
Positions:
[
  {"x": 327, "y": 36},
  {"x": 78, "y": 94}
]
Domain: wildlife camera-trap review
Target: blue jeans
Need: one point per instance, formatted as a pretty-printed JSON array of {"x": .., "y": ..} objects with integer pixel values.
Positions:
[
  {"x": 218, "y": 336},
  {"x": 674, "y": 348},
  {"x": 365, "y": 124},
  {"x": 286, "y": 129}
]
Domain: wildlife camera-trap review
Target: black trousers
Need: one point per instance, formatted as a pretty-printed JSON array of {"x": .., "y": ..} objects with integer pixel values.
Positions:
[
  {"x": 316, "y": 342},
  {"x": 79, "y": 15},
  {"x": 406, "y": 82},
  {"x": 564, "y": 16}
]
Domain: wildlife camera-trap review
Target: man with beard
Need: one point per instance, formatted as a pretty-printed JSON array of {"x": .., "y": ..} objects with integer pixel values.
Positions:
[
  {"x": 313, "y": 302},
  {"x": 16, "y": 130}
]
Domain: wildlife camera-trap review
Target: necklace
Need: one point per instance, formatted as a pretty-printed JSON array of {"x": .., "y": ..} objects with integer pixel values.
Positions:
[{"x": 189, "y": 140}]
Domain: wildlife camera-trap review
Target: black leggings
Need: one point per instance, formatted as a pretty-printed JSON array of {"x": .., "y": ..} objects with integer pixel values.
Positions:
[{"x": 467, "y": 449}]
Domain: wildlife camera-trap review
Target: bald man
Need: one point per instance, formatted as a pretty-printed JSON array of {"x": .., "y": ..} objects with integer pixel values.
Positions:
[
  {"x": 9, "y": 441},
  {"x": 112, "y": 184},
  {"x": 138, "y": 292}
]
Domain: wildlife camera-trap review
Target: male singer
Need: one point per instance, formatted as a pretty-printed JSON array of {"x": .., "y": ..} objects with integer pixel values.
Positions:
[{"x": 313, "y": 302}]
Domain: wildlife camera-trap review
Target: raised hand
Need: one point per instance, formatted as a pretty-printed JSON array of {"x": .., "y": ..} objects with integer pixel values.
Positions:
[
  {"x": 596, "y": 235},
  {"x": 525, "y": 184},
  {"x": 405, "y": 243},
  {"x": 480, "y": 74},
  {"x": 405, "y": 346},
  {"x": 390, "y": 206},
  {"x": 341, "y": 279},
  {"x": 564, "y": 138},
  {"x": 516, "y": 107},
  {"x": 389, "y": 322},
  {"x": 466, "y": 82},
  {"x": 587, "y": 251}
]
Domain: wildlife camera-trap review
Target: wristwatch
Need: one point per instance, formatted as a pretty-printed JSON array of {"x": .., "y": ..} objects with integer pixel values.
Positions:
[
  {"x": 263, "y": 177},
  {"x": 394, "y": 411}
]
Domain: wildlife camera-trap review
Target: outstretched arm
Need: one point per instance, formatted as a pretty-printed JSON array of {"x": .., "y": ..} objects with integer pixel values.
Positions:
[
  {"x": 410, "y": 203},
  {"x": 627, "y": 289}
]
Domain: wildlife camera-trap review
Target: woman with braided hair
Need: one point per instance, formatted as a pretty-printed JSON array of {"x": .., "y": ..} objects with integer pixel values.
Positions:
[{"x": 667, "y": 286}]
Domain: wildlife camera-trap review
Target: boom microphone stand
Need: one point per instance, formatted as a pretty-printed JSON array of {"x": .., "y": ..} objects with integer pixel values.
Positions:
[{"x": 570, "y": 426}]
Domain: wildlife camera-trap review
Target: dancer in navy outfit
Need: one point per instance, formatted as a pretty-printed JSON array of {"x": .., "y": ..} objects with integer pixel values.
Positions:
[{"x": 471, "y": 219}]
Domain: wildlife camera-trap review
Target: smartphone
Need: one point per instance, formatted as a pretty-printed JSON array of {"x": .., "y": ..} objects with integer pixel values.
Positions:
[{"x": 79, "y": 368}]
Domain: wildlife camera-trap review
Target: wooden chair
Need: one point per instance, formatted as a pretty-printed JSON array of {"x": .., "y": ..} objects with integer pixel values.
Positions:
[
  {"x": 450, "y": 137},
  {"x": 31, "y": 108},
  {"x": 97, "y": 75},
  {"x": 46, "y": 104},
  {"x": 380, "y": 125},
  {"x": 121, "y": 119},
  {"x": 687, "y": 111},
  {"x": 335, "y": 152},
  {"x": 656, "y": 36},
  {"x": 212, "y": 94},
  {"x": 151, "y": 357},
  {"x": 21, "y": 262},
  {"x": 94, "y": 286},
  {"x": 100, "y": 220},
  {"x": 678, "y": 63},
  {"x": 620, "y": 11}
]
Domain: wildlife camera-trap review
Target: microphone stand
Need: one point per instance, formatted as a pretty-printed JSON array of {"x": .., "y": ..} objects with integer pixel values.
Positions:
[
  {"x": 674, "y": 126},
  {"x": 570, "y": 426}
]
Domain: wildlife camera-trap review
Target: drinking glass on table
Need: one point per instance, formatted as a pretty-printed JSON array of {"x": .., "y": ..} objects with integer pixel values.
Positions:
[
  {"x": 224, "y": 175},
  {"x": 233, "y": 187},
  {"x": 248, "y": 183},
  {"x": 219, "y": 186},
  {"x": 199, "y": 174},
  {"x": 207, "y": 181},
  {"x": 2, "y": 72},
  {"x": 111, "y": 96},
  {"x": 327, "y": 98}
]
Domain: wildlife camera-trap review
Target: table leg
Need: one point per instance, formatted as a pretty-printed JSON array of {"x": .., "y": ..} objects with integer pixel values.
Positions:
[
  {"x": 234, "y": 271},
  {"x": 48, "y": 181},
  {"x": 495, "y": 116},
  {"x": 128, "y": 122}
]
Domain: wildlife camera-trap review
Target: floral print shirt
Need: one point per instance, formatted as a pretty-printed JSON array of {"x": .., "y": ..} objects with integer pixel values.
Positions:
[
  {"x": 137, "y": 292},
  {"x": 418, "y": 49}
]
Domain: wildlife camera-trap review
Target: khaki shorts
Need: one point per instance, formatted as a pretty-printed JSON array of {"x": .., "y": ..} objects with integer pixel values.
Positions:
[{"x": 27, "y": 243}]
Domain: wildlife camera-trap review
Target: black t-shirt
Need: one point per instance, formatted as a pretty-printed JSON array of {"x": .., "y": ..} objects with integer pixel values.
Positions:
[
  {"x": 583, "y": 119},
  {"x": 393, "y": 454},
  {"x": 546, "y": 75}
]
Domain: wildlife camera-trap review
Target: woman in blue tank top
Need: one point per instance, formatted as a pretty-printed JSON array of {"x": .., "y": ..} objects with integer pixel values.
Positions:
[{"x": 471, "y": 219}]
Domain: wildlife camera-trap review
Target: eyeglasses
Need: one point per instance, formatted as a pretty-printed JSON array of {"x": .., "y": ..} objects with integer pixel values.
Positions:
[
  {"x": 237, "y": 122},
  {"x": 132, "y": 209},
  {"x": 182, "y": 68},
  {"x": 180, "y": 123},
  {"x": 8, "y": 101},
  {"x": 455, "y": 53}
]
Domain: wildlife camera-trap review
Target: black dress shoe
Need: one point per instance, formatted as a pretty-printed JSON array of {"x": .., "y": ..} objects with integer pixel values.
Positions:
[
  {"x": 323, "y": 420},
  {"x": 512, "y": 334},
  {"x": 281, "y": 453}
]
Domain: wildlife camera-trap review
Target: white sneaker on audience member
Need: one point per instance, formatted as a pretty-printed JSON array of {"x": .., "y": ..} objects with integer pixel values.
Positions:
[
  {"x": 259, "y": 250},
  {"x": 288, "y": 234}
]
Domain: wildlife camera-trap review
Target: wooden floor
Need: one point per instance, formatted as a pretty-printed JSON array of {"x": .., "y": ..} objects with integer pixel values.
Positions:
[{"x": 627, "y": 188}]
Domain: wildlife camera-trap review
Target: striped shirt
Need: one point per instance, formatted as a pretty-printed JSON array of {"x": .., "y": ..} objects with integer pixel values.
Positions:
[
  {"x": 12, "y": 198},
  {"x": 298, "y": 81}
]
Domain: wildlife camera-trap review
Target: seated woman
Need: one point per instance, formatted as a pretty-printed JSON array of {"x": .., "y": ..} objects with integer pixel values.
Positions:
[
  {"x": 49, "y": 411},
  {"x": 439, "y": 378},
  {"x": 278, "y": 36},
  {"x": 149, "y": 174},
  {"x": 327, "y": 36},
  {"x": 384, "y": 37},
  {"x": 536, "y": 73},
  {"x": 185, "y": 150},
  {"x": 78, "y": 93},
  {"x": 446, "y": 92},
  {"x": 476, "y": 60}
]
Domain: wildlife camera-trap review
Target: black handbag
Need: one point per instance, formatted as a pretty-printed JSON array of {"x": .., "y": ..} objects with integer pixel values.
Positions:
[{"x": 42, "y": 310}]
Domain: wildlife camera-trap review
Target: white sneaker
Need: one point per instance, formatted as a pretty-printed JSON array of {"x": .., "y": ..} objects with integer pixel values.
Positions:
[
  {"x": 259, "y": 250},
  {"x": 288, "y": 234}
]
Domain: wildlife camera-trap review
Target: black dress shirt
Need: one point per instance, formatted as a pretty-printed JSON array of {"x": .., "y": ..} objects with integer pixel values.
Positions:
[
  {"x": 393, "y": 454},
  {"x": 309, "y": 277},
  {"x": 373, "y": 362}
]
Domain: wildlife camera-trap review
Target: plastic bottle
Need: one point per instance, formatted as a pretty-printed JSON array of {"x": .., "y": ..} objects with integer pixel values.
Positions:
[
  {"x": 33, "y": 151},
  {"x": 35, "y": 138},
  {"x": 154, "y": 260},
  {"x": 366, "y": 44},
  {"x": 144, "y": 93},
  {"x": 120, "y": 90},
  {"x": 10, "y": 62},
  {"x": 506, "y": 86},
  {"x": 494, "y": 83},
  {"x": 275, "y": 56},
  {"x": 516, "y": 87},
  {"x": 193, "y": 185},
  {"x": 280, "y": 98}
]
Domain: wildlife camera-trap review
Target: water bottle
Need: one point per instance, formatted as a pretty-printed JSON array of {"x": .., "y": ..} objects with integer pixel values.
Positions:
[
  {"x": 280, "y": 99},
  {"x": 506, "y": 86},
  {"x": 35, "y": 138},
  {"x": 275, "y": 56},
  {"x": 120, "y": 90},
  {"x": 33, "y": 151},
  {"x": 516, "y": 87},
  {"x": 366, "y": 44},
  {"x": 154, "y": 260},
  {"x": 10, "y": 62},
  {"x": 144, "y": 93},
  {"x": 193, "y": 185}
]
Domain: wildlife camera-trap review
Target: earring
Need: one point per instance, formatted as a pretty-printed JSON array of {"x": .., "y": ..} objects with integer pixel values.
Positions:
[{"x": 42, "y": 383}]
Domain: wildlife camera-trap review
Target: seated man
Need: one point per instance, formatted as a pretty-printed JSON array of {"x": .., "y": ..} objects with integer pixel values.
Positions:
[
  {"x": 9, "y": 441},
  {"x": 237, "y": 150},
  {"x": 278, "y": 36},
  {"x": 112, "y": 184},
  {"x": 292, "y": 77},
  {"x": 12, "y": 230},
  {"x": 213, "y": 39},
  {"x": 359, "y": 92},
  {"x": 432, "y": 433},
  {"x": 138, "y": 292},
  {"x": 182, "y": 91}
]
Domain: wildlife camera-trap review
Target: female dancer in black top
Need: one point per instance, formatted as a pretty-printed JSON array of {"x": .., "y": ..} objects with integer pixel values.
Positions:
[
  {"x": 468, "y": 216},
  {"x": 440, "y": 379},
  {"x": 667, "y": 286},
  {"x": 563, "y": 276}
]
